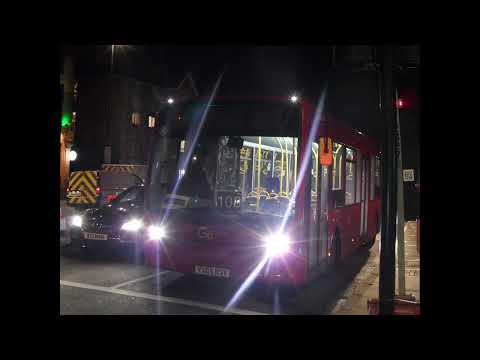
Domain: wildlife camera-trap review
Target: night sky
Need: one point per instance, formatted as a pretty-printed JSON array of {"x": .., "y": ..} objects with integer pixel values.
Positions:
[{"x": 251, "y": 70}]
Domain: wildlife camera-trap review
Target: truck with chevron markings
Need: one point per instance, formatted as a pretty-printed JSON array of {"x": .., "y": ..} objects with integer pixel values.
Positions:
[{"x": 91, "y": 188}]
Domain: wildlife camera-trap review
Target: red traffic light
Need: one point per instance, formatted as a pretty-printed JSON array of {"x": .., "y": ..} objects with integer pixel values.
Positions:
[{"x": 400, "y": 104}]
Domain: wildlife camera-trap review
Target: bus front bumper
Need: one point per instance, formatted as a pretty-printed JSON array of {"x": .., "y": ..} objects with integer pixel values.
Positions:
[{"x": 228, "y": 262}]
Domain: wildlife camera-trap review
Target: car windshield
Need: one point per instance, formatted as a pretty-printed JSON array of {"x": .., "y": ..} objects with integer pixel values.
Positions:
[{"x": 134, "y": 194}]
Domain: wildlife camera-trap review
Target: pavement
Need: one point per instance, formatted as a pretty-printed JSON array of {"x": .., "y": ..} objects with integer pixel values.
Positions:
[{"x": 366, "y": 283}]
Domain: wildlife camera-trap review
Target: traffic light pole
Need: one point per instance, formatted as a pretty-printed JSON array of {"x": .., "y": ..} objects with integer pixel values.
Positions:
[
  {"x": 389, "y": 182},
  {"x": 400, "y": 212}
]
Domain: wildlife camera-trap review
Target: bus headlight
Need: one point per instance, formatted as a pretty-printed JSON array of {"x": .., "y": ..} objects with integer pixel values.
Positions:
[
  {"x": 277, "y": 244},
  {"x": 132, "y": 225},
  {"x": 156, "y": 232},
  {"x": 77, "y": 221}
]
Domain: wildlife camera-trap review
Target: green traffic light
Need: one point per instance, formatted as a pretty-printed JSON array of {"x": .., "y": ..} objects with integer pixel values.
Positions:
[{"x": 65, "y": 120}]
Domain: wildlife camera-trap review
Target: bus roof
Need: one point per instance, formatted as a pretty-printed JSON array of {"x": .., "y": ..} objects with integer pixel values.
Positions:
[{"x": 330, "y": 126}]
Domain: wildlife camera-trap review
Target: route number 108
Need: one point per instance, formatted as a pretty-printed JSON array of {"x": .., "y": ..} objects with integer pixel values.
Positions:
[{"x": 228, "y": 200}]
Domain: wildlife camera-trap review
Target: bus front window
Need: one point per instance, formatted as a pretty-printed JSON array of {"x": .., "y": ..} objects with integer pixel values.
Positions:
[{"x": 232, "y": 173}]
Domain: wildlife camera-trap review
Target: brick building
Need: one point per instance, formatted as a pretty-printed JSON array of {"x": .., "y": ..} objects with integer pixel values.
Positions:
[{"x": 116, "y": 118}]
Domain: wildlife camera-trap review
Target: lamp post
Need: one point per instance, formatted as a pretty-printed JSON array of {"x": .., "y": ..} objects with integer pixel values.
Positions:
[
  {"x": 400, "y": 206},
  {"x": 389, "y": 188},
  {"x": 113, "y": 56},
  {"x": 111, "y": 65}
]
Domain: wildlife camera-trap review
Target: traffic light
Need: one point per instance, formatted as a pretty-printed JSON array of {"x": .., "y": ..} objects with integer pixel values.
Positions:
[
  {"x": 400, "y": 103},
  {"x": 66, "y": 121}
]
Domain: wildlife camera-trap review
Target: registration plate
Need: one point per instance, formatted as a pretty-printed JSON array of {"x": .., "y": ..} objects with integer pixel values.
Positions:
[
  {"x": 212, "y": 271},
  {"x": 92, "y": 236}
]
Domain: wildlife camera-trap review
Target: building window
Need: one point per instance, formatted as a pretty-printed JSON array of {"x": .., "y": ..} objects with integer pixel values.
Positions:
[
  {"x": 135, "y": 119},
  {"x": 151, "y": 121}
]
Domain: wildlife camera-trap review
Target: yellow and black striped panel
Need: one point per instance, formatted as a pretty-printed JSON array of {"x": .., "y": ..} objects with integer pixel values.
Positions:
[
  {"x": 118, "y": 168},
  {"x": 85, "y": 183}
]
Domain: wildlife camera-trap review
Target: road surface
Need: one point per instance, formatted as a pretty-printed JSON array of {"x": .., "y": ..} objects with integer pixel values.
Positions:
[{"x": 115, "y": 283}]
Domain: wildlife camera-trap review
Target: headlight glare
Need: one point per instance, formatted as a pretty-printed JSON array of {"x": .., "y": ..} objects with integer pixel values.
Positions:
[
  {"x": 277, "y": 244},
  {"x": 156, "y": 232},
  {"x": 77, "y": 220},
  {"x": 132, "y": 225}
]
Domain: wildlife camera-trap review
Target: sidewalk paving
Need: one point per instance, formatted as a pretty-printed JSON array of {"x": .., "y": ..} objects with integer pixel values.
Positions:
[{"x": 365, "y": 285}]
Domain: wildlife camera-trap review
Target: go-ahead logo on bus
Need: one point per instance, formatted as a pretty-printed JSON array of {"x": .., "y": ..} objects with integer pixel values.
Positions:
[{"x": 204, "y": 232}]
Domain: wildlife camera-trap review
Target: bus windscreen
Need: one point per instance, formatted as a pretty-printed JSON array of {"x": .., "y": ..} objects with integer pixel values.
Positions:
[{"x": 231, "y": 156}]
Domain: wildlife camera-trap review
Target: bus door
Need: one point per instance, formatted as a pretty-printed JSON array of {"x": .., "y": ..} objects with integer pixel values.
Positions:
[
  {"x": 364, "y": 197},
  {"x": 324, "y": 176},
  {"x": 323, "y": 231}
]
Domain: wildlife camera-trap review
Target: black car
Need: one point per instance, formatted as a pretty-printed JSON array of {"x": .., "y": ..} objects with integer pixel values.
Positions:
[{"x": 113, "y": 225}]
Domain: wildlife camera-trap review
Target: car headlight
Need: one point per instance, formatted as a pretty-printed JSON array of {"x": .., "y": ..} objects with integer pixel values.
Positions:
[
  {"x": 77, "y": 220},
  {"x": 277, "y": 244},
  {"x": 132, "y": 225},
  {"x": 156, "y": 232}
]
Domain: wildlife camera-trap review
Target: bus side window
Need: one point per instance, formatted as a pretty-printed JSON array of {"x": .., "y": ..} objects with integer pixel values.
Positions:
[
  {"x": 338, "y": 175},
  {"x": 351, "y": 159},
  {"x": 358, "y": 192}
]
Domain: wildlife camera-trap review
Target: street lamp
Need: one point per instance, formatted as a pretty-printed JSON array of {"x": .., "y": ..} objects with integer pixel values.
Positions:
[
  {"x": 294, "y": 98},
  {"x": 111, "y": 64},
  {"x": 72, "y": 155},
  {"x": 113, "y": 52},
  {"x": 170, "y": 100}
]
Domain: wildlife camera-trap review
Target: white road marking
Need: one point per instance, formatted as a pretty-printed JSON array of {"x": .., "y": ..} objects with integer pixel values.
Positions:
[
  {"x": 139, "y": 279},
  {"x": 191, "y": 303}
]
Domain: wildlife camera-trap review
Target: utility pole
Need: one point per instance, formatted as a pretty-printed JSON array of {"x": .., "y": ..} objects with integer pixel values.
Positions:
[
  {"x": 66, "y": 135},
  {"x": 111, "y": 63},
  {"x": 400, "y": 210},
  {"x": 389, "y": 198}
]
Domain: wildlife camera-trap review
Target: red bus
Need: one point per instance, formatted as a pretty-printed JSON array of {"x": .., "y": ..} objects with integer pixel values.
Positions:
[{"x": 237, "y": 188}]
